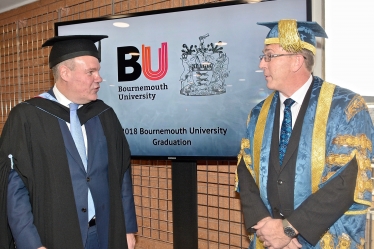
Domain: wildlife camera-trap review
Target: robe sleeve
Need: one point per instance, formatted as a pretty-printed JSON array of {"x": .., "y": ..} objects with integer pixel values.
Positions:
[
  {"x": 20, "y": 217},
  {"x": 128, "y": 203},
  {"x": 12, "y": 144},
  {"x": 348, "y": 150},
  {"x": 322, "y": 209},
  {"x": 253, "y": 207},
  {"x": 6, "y": 238}
]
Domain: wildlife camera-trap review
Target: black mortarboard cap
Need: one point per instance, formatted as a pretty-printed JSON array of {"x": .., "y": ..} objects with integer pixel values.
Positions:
[{"x": 68, "y": 47}]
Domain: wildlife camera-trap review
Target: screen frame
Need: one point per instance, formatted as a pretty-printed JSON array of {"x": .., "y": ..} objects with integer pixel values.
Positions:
[{"x": 165, "y": 11}]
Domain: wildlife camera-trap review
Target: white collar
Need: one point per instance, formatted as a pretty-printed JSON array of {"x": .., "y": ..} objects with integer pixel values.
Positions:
[
  {"x": 61, "y": 98},
  {"x": 299, "y": 95}
]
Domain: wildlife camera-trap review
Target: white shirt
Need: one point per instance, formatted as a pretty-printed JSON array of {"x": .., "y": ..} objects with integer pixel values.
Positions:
[{"x": 298, "y": 97}]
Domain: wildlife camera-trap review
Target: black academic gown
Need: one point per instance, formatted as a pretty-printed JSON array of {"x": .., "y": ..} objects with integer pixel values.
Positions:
[{"x": 32, "y": 135}]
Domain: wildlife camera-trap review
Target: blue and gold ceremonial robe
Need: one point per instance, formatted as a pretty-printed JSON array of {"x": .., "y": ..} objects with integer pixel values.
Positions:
[{"x": 336, "y": 129}]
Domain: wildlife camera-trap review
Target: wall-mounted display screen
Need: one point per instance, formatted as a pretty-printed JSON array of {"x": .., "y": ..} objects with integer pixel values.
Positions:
[{"x": 183, "y": 81}]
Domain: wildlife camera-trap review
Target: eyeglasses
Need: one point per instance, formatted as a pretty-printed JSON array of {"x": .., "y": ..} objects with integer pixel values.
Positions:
[{"x": 268, "y": 57}]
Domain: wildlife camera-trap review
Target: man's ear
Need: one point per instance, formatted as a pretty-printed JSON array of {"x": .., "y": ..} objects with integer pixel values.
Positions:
[
  {"x": 64, "y": 72},
  {"x": 298, "y": 62}
]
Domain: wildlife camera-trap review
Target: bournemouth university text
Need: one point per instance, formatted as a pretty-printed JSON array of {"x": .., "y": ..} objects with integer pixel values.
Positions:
[
  {"x": 176, "y": 131},
  {"x": 132, "y": 92}
]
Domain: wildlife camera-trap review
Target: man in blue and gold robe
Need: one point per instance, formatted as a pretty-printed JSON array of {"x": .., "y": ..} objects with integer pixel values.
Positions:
[{"x": 314, "y": 190}]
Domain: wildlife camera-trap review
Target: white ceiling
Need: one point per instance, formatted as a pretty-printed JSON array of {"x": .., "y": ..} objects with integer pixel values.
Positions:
[{"x": 6, "y": 5}]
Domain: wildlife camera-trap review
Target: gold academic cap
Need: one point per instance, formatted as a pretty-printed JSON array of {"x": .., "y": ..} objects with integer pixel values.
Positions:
[{"x": 292, "y": 35}]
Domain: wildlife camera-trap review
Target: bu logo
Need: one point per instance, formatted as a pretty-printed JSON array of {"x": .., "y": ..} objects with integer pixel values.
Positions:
[{"x": 124, "y": 65}]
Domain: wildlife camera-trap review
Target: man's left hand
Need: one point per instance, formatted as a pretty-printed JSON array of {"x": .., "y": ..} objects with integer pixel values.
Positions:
[
  {"x": 272, "y": 234},
  {"x": 131, "y": 241},
  {"x": 294, "y": 244}
]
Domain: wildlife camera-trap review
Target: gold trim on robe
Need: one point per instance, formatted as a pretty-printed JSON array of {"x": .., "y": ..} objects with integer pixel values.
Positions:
[
  {"x": 258, "y": 135},
  {"x": 319, "y": 134},
  {"x": 356, "y": 105}
]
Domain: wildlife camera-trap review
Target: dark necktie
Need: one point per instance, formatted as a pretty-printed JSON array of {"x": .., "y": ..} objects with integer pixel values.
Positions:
[
  {"x": 286, "y": 129},
  {"x": 77, "y": 134}
]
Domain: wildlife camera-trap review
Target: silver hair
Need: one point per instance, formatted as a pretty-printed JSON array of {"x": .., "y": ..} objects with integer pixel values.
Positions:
[{"x": 309, "y": 59}]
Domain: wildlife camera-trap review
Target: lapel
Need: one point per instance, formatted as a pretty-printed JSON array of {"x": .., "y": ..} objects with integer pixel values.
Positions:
[
  {"x": 91, "y": 143},
  {"x": 70, "y": 145},
  {"x": 296, "y": 131},
  {"x": 274, "y": 156}
]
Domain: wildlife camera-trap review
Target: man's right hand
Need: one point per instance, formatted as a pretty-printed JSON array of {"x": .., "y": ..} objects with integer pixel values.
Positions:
[{"x": 261, "y": 222}]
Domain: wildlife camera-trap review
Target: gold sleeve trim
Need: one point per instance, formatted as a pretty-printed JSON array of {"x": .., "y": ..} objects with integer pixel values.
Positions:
[
  {"x": 319, "y": 133},
  {"x": 327, "y": 241},
  {"x": 362, "y": 244},
  {"x": 359, "y": 212},
  {"x": 259, "y": 244},
  {"x": 344, "y": 242},
  {"x": 363, "y": 182},
  {"x": 356, "y": 105},
  {"x": 362, "y": 145},
  {"x": 259, "y": 133},
  {"x": 275, "y": 40},
  {"x": 245, "y": 144},
  {"x": 338, "y": 159},
  {"x": 248, "y": 119},
  {"x": 361, "y": 142}
]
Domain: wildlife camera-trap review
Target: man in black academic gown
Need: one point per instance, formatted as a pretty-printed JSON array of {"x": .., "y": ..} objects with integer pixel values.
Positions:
[{"x": 52, "y": 196}]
